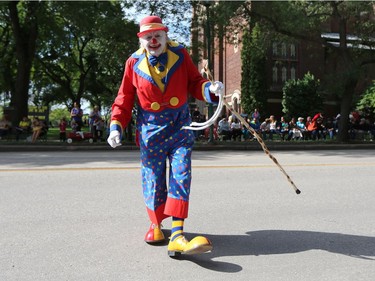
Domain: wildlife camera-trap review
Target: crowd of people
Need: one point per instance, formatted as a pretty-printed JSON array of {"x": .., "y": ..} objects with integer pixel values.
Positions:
[
  {"x": 316, "y": 127},
  {"x": 95, "y": 124},
  {"x": 30, "y": 129},
  {"x": 229, "y": 128}
]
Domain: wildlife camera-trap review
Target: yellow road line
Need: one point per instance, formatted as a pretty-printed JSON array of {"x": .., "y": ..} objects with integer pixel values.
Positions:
[{"x": 53, "y": 169}]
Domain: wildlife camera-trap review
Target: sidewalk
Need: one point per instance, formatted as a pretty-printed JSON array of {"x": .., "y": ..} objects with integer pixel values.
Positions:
[{"x": 233, "y": 145}]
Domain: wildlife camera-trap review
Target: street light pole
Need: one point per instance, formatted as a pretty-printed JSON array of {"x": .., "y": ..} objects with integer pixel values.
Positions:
[{"x": 208, "y": 36}]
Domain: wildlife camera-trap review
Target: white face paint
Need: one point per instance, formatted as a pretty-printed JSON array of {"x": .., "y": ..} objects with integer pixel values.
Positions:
[{"x": 154, "y": 42}]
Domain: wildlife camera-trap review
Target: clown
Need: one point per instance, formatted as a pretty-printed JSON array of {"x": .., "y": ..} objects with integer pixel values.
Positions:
[{"x": 159, "y": 77}]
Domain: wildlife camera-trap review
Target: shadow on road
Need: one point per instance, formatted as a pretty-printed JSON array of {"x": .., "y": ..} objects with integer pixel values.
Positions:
[{"x": 275, "y": 242}]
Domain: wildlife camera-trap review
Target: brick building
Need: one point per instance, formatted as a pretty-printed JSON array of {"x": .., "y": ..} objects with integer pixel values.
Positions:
[{"x": 284, "y": 61}]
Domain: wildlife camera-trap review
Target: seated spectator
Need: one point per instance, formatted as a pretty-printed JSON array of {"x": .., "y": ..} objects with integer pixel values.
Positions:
[
  {"x": 5, "y": 127},
  {"x": 37, "y": 127},
  {"x": 292, "y": 129},
  {"x": 254, "y": 123},
  {"x": 24, "y": 127},
  {"x": 308, "y": 125},
  {"x": 265, "y": 128},
  {"x": 300, "y": 129},
  {"x": 362, "y": 129},
  {"x": 284, "y": 128},
  {"x": 314, "y": 127},
  {"x": 236, "y": 129},
  {"x": 321, "y": 130},
  {"x": 245, "y": 132},
  {"x": 224, "y": 129},
  {"x": 273, "y": 127},
  {"x": 330, "y": 128}
]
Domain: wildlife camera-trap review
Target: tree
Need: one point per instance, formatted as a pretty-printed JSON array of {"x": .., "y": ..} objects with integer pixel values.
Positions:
[
  {"x": 175, "y": 14},
  {"x": 23, "y": 18},
  {"x": 57, "y": 114},
  {"x": 59, "y": 51},
  {"x": 55, "y": 51},
  {"x": 366, "y": 104},
  {"x": 253, "y": 84},
  {"x": 301, "y": 97},
  {"x": 7, "y": 53},
  {"x": 83, "y": 57}
]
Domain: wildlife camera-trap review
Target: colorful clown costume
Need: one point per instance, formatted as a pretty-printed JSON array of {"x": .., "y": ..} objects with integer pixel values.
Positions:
[
  {"x": 159, "y": 78},
  {"x": 161, "y": 116}
]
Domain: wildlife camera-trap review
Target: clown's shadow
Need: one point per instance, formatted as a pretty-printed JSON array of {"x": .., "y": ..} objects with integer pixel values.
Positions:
[{"x": 275, "y": 242}]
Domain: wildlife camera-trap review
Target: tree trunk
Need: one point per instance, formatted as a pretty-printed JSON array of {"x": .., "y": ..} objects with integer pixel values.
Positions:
[
  {"x": 346, "y": 105},
  {"x": 25, "y": 37},
  {"x": 346, "y": 65}
]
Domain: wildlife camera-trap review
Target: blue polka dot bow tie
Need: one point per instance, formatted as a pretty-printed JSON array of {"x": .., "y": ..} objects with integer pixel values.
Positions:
[{"x": 162, "y": 59}]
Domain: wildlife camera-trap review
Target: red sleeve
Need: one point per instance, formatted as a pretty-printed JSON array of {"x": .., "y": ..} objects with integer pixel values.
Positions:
[
  {"x": 316, "y": 116},
  {"x": 198, "y": 85},
  {"x": 124, "y": 102}
]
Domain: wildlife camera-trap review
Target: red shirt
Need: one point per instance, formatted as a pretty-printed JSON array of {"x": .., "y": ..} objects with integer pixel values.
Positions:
[{"x": 62, "y": 126}]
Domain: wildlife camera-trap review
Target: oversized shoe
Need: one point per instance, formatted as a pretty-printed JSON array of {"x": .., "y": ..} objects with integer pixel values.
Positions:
[
  {"x": 154, "y": 234},
  {"x": 181, "y": 245}
]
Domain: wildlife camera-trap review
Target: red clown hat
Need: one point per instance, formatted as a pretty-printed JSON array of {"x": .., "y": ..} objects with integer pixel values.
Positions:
[{"x": 149, "y": 24}]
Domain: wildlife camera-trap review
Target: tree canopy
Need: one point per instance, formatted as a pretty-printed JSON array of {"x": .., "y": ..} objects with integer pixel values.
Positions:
[
  {"x": 82, "y": 57},
  {"x": 58, "y": 52},
  {"x": 301, "y": 97}
]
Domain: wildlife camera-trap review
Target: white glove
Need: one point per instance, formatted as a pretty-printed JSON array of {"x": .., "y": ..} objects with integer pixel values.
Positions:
[
  {"x": 217, "y": 88},
  {"x": 114, "y": 139}
]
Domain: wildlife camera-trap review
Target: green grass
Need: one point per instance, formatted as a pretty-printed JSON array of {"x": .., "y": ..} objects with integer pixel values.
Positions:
[{"x": 53, "y": 134}]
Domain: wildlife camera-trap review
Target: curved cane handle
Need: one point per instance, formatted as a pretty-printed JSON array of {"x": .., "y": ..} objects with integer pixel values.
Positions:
[{"x": 196, "y": 126}]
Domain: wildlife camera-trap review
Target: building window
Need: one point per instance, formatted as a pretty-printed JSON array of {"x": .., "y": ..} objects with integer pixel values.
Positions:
[
  {"x": 274, "y": 74},
  {"x": 283, "y": 49},
  {"x": 283, "y": 74},
  {"x": 293, "y": 73},
  {"x": 235, "y": 41},
  {"x": 274, "y": 49},
  {"x": 293, "y": 50}
]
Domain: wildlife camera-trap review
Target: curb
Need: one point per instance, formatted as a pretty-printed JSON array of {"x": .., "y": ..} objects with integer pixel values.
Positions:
[{"x": 272, "y": 146}]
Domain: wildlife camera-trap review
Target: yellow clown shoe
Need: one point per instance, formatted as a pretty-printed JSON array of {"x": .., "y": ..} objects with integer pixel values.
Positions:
[
  {"x": 181, "y": 245},
  {"x": 154, "y": 234}
]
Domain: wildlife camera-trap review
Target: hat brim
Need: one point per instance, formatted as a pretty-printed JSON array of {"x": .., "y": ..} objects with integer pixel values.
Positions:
[{"x": 140, "y": 34}]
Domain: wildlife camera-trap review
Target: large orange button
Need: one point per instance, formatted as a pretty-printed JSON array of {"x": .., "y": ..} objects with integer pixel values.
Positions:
[
  {"x": 155, "y": 106},
  {"x": 174, "y": 101}
]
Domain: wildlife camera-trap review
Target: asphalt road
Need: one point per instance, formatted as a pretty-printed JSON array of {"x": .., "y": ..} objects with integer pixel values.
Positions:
[{"x": 80, "y": 216}]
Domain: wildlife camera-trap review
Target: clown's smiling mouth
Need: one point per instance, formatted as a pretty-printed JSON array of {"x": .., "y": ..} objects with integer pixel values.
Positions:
[{"x": 155, "y": 47}]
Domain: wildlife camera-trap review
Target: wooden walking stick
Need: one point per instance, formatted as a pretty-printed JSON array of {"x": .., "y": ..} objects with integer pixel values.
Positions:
[{"x": 253, "y": 132}]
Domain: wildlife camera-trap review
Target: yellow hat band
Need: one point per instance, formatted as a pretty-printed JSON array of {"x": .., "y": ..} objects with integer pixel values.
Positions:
[{"x": 152, "y": 26}]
